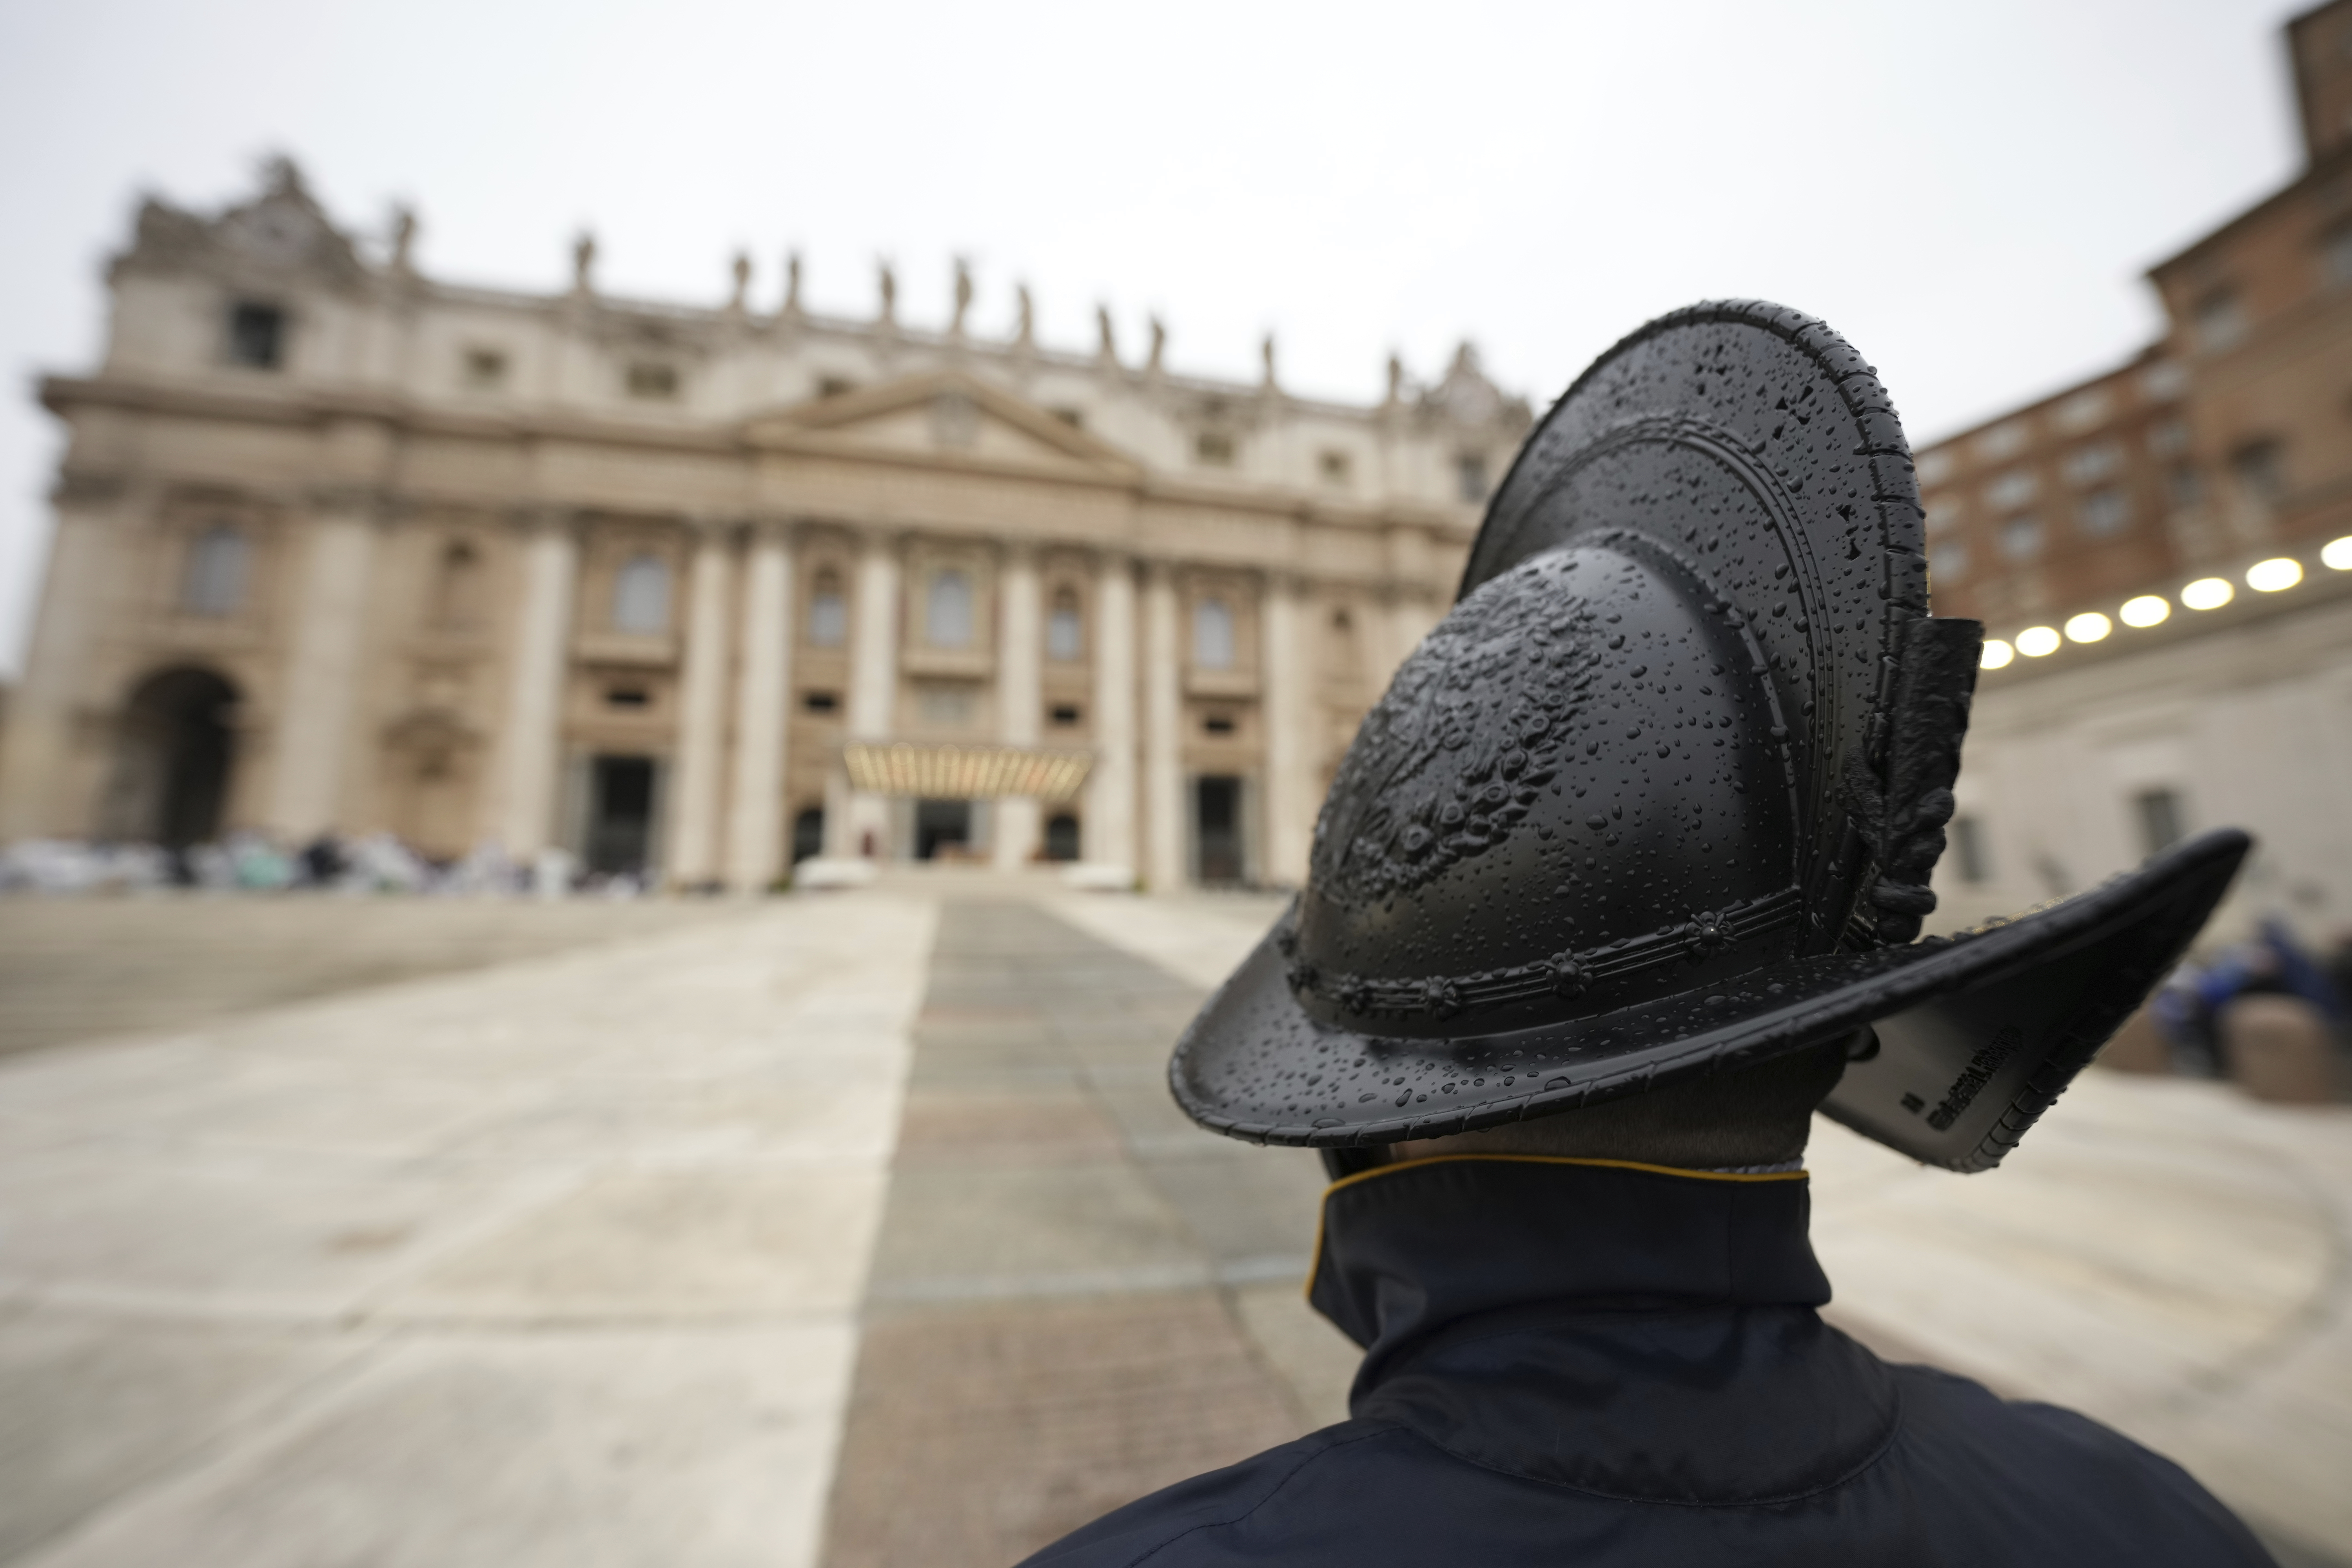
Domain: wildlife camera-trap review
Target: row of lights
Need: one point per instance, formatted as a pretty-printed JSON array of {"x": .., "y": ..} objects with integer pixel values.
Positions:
[{"x": 2273, "y": 577}]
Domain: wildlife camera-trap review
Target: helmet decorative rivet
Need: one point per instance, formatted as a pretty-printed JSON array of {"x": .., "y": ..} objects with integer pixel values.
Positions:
[
  {"x": 1706, "y": 933},
  {"x": 1568, "y": 978},
  {"x": 1440, "y": 998}
]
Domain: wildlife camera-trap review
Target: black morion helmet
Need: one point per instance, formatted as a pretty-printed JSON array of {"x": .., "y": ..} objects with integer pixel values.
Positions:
[{"x": 1662, "y": 795}]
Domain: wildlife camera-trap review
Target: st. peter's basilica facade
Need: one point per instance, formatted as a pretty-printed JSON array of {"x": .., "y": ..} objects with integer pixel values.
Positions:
[{"x": 696, "y": 592}]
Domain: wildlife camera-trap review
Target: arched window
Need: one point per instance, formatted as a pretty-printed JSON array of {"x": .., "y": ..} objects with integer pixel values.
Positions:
[
  {"x": 457, "y": 587},
  {"x": 218, "y": 564},
  {"x": 947, "y": 610},
  {"x": 1064, "y": 631},
  {"x": 1213, "y": 635},
  {"x": 641, "y": 596},
  {"x": 828, "y": 620}
]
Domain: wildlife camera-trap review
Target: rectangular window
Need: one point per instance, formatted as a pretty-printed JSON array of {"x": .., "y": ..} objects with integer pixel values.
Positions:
[
  {"x": 2168, "y": 438},
  {"x": 257, "y": 335},
  {"x": 2020, "y": 537},
  {"x": 2260, "y": 469},
  {"x": 2003, "y": 441},
  {"x": 2085, "y": 409},
  {"x": 1066, "y": 640},
  {"x": 2089, "y": 464},
  {"x": 828, "y": 617},
  {"x": 834, "y": 386},
  {"x": 627, "y": 697},
  {"x": 2164, "y": 381},
  {"x": 2186, "y": 485},
  {"x": 820, "y": 702},
  {"x": 2012, "y": 490},
  {"x": 2221, "y": 320},
  {"x": 1215, "y": 448},
  {"x": 947, "y": 610},
  {"x": 653, "y": 380},
  {"x": 1213, "y": 635},
  {"x": 2104, "y": 512},
  {"x": 1947, "y": 563},
  {"x": 2335, "y": 255},
  {"x": 1064, "y": 713},
  {"x": 1968, "y": 851},
  {"x": 1334, "y": 466},
  {"x": 1470, "y": 474},
  {"x": 485, "y": 368},
  {"x": 2160, "y": 818}
]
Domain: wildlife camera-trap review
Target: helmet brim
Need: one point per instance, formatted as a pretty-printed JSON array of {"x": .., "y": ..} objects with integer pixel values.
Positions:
[{"x": 1978, "y": 1033}]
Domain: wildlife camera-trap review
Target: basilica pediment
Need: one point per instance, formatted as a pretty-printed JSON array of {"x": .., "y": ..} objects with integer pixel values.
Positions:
[{"x": 945, "y": 415}]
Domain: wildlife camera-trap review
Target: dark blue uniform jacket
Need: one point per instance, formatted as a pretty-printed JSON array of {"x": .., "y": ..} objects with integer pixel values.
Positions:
[{"x": 1573, "y": 1362}]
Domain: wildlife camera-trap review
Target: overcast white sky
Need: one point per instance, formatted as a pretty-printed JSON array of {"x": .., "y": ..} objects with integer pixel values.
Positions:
[{"x": 1968, "y": 192}]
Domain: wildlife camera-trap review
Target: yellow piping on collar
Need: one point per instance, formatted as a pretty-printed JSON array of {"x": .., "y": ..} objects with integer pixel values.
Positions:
[{"x": 1322, "y": 1209}]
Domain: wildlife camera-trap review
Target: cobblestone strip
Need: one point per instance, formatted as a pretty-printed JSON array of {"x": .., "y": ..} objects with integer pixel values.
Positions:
[{"x": 1077, "y": 1296}]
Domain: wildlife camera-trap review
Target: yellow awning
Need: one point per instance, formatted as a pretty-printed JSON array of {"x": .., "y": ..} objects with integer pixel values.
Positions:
[{"x": 934, "y": 770}]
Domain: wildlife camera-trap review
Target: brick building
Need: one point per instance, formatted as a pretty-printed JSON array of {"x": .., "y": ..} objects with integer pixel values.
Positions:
[{"x": 2163, "y": 555}]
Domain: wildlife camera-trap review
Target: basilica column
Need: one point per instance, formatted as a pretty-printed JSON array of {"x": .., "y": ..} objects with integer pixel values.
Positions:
[
  {"x": 43, "y": 790},
  {"x": 1290, "y": 809},
  {"x": 521, "y": 806},
  {"x": 1413, "y": 614},
  {"x": 1019, "y": 694},
  {"x": 755, "y": 826},
  {"x": 702, "y": 710},
  {"x": 873, "y": 680},
  {"x": 1163, "y": 765},
  {"x": 1111, "y": 787},
  {"x": 314, "y": 717}
]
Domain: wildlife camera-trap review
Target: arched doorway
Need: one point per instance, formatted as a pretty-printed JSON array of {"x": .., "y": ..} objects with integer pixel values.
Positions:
[{"x": 174, "y": 753}]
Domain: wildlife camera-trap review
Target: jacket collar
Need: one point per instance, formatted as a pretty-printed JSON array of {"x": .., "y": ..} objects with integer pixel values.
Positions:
[
  {"x": 1407, "y": 1249},
  {"x": 1628, "y": 1330}
]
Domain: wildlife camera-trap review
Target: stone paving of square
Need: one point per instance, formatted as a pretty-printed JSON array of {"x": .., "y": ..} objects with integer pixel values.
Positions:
[{"x": 858, "y": 1229}]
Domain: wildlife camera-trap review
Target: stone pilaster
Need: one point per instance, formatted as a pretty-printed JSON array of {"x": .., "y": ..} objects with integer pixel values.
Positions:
[
  {"x": 1109, "y": 832},
  {"x": 1019, "y": 696},
  {"x": 1163, "y": 765},
  {"x": 702, "y": 710},
  {"x": 521, "y": 803},
  {"x": 39, "y": 771},
  {"x": 329, "y": 628},
  {"x": 755, "y": 827},
  {"x": 874, "y": 679},
  {"x": 1289, "y": 810}
]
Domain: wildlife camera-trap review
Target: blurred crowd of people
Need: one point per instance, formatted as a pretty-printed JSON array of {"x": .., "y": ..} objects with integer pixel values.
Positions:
[
  {"x": 2189, "y": 1007},
  {"x": 248, "y": 861}
]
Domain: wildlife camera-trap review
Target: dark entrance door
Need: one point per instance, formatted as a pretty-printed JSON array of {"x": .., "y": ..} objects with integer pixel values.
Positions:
[
  {"x": 1217, "y": 827},
  {"x": 808, "y": 834},
  {"x": 620, "y": 814},
  {"x": 175, "y": 753},
  {"x": 1062, "y": 836},
  {"x": 941, "y": 825}
]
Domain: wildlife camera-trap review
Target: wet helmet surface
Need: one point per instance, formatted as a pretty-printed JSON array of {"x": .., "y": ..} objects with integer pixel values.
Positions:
[{"x": 1576, "y": 795}]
